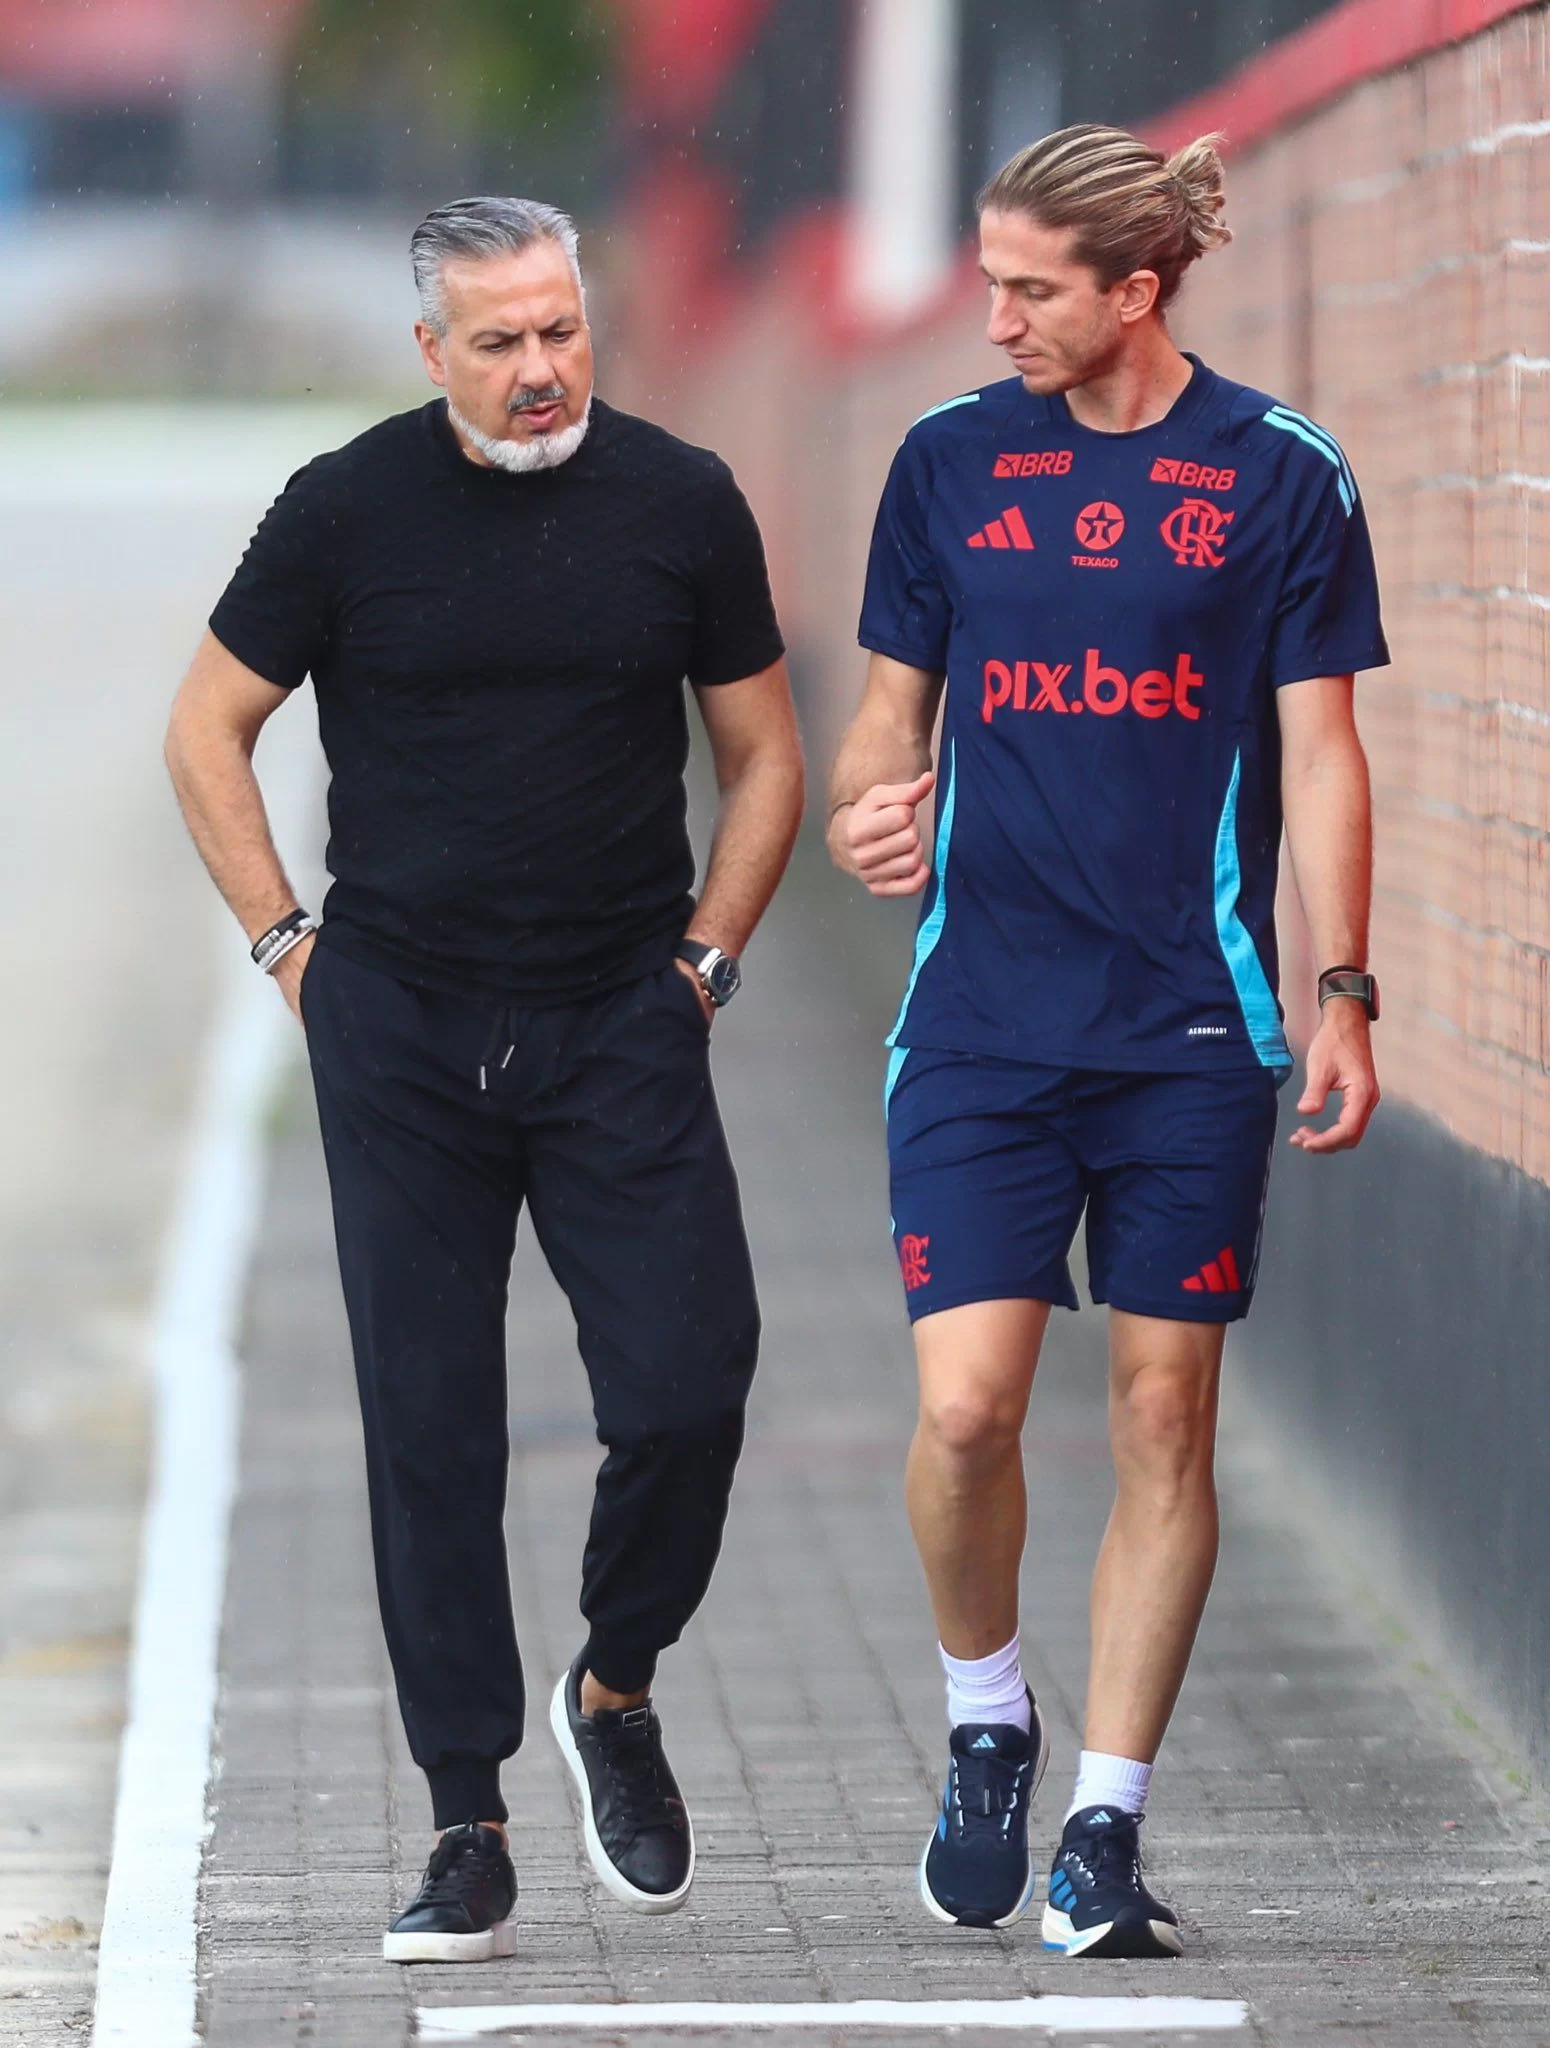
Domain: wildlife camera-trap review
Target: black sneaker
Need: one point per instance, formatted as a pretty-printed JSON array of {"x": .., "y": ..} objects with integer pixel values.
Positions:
[
  {"x": 462, "y": 1912},
  {"x": 637, "y": 1828},
  {"x": 1098, "y": 1904},
  {"x": 976, "y": 1870}
]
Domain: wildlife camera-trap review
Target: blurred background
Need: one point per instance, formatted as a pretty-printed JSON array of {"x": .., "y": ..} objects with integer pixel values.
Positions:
[{"x": 204, "y": 212}]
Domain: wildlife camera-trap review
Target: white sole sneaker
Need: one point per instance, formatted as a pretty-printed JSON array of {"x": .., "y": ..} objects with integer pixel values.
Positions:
[
  {"x": 496, "y": 1941},
  {"x": 613, "y": 1881},
  {"x": 1060, "y": 1936},
  {"x": 1040, "y": 1766},
  {"x": 951, "y": 1920}
]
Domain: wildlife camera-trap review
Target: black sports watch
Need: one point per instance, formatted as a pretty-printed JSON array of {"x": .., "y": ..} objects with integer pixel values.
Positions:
[
  {"x": 1350, "y": 981},
  {"x": 720, "y": 975}
]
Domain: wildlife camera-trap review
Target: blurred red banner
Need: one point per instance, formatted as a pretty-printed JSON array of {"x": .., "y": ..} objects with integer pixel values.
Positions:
[
  {"x": 678, "y": 52},
  {"x": 127, "y": 48}
]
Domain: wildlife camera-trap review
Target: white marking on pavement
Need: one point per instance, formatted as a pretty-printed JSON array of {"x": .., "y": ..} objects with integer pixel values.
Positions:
[
  {"x": 145, "y": 1968},
  {"x": 1028, "y": 2015},
  {"x": 148, "y": 1953}
]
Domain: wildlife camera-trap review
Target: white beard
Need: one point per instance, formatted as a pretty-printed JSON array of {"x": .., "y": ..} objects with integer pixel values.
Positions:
[{"x": 521, "y": 458}]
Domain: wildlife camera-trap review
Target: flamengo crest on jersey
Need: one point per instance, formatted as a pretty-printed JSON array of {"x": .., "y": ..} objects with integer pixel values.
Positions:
[{"x": 1115, "y": 614}]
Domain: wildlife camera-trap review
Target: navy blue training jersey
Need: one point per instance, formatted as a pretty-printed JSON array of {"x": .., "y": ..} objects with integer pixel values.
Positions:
[{"x": 1114, "y": 614}]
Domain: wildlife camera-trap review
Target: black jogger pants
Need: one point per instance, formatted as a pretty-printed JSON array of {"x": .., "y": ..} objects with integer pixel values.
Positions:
[{"x": 440, "y": 1118}]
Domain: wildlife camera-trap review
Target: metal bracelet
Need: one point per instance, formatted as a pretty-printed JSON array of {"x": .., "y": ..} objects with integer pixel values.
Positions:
[
  {"x": 289, "y": 923},
  {"x": 272, "y": 949}
]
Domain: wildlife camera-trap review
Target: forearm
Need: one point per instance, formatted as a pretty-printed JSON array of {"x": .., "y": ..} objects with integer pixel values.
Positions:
[
  {"x": 1328, "y": 807},
  {"x": 223, "y": 808},
  {"x": 882, "y": 744},
  {"x": 757, "y": 819},
  {"x": 881, "y": 774}
]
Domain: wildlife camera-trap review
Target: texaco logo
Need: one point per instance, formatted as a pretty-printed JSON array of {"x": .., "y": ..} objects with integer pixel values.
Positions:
[{"x": 1099, "y": 525}]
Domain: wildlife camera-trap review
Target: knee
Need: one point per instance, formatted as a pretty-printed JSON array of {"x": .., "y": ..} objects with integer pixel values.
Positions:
[
  {"x": 1164, "y": 1429},
  {"x": 972, "y": 1424},
  {"x": 690, "y": 1447}
]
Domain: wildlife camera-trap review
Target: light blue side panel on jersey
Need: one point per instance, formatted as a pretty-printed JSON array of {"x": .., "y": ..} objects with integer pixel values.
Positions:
[
  {"x": 1328, "y": 447},
  {"x": 1242, "y": 955},
  {"x": 896, "y": 1059},
  {"x": 930, "y": 932},
  {"x": 968, "y": 398}
]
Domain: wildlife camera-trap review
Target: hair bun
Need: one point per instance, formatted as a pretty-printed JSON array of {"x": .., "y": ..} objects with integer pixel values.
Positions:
[{"x": 1197, "y": 171}]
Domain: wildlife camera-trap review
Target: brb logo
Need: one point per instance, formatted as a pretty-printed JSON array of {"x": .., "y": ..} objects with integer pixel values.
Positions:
[
  {"x": 1042, "y": 686},
  {"x": 1194, "y": 531},
  {"x": 1192, "y": 476},
  {"x": 1036, "y": 462}
]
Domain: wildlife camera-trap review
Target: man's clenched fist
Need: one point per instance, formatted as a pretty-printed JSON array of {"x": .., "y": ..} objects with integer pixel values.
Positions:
[{"x": 877, "y": 839}]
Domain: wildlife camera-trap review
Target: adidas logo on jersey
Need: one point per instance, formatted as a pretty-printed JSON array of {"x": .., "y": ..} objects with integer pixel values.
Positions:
[{"x": 1009, "y": 531}]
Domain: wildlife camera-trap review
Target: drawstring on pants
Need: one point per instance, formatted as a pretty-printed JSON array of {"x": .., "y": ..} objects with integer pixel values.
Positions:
[{"x": 503, "y": 1027}]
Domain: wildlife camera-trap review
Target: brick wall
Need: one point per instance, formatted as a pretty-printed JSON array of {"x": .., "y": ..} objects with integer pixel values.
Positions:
[{"x": 1391, "y": 276}]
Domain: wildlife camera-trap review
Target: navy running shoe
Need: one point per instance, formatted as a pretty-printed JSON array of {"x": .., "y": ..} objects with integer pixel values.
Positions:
[
  {"x": 1098, "y": 1903},
  {"x": 976, "y": 1870}
]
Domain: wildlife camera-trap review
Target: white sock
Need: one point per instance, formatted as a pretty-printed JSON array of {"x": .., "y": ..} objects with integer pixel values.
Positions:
[
  {"x": 1104, "y": 1780},
  {"x": 988, "y": 1689}
]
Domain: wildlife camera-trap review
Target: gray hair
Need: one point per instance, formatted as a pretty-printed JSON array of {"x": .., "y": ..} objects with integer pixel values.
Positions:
[{"x": 482, "y": 227}]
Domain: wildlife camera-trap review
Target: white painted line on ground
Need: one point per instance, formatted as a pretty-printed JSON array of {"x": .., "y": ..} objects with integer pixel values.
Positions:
[
  {"x": 1026, "y": 2015},
  {"x": 146, "y": 1962},
  {"x": 148, "y": 1955}
]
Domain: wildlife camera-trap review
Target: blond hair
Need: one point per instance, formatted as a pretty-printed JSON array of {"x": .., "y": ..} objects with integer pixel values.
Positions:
[{"x": 1131, "y": 207}]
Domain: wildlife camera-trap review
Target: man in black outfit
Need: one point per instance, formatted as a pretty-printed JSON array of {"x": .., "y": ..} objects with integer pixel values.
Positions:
[{"x": 509, "y": 1000}]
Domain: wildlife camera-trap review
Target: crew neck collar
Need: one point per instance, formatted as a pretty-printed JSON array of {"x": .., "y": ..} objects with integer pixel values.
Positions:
[{"x": 1180, "y": 413}]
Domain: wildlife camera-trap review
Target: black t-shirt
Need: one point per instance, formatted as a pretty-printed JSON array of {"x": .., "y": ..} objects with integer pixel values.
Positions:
[{"x": 499, "y": 663}]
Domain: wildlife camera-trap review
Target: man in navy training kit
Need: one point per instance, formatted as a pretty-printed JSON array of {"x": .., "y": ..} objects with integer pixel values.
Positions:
[
  {"x": 499, "y": 597},
  {"x": 1145, "y": 590}
]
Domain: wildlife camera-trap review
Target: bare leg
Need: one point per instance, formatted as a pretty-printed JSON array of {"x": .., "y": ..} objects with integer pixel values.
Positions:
[
  {"x": 964, "y": 1480},
  {"x": 1159, "y": 1551},
  {"x": 600, "y": 1697},
  {"x": 595, "y": 1696}
]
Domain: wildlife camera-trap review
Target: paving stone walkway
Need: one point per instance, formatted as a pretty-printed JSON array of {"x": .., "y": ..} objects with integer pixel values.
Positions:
[
  {"x": 118, "y": 524},
  {"x": 1341, "y": 1851}
]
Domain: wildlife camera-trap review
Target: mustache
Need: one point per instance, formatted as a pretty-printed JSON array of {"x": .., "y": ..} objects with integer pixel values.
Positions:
[{"x": 530, "y": 401}]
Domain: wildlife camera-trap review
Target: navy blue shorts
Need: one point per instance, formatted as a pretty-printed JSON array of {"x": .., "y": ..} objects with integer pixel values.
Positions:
[{"x": 992, "y": 1162}]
